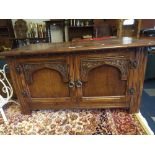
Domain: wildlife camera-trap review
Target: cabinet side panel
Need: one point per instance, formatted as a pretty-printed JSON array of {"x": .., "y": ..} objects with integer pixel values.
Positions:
[
  {"x": 137, "y": 76},
  {"x": 17, "y": 81}
]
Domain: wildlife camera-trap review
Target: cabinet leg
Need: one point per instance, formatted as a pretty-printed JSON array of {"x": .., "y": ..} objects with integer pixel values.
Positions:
[
  {"x": 25, "y": 111},
  {"x": 134, "y": 104},
  {"x": 132, "y": 110}
]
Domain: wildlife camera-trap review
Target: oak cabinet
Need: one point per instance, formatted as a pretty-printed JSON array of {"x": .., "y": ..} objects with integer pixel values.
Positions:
[
  {"x": 91, "y": 74},
  {"x": 78, "y": 80}
]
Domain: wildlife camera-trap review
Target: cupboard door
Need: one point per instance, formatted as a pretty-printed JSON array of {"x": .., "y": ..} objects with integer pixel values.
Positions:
[
  {"x": 102, "y": 81},
  {"x": 48, "y": 81}
]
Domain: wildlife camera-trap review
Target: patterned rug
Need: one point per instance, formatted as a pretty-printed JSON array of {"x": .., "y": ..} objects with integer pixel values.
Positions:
[{"x": 71, "y": 122}]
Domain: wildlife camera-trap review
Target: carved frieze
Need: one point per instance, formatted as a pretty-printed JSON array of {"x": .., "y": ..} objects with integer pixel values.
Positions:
[
  {"x": 59, "y": 65},
  {"x": 90, "y": 63}
]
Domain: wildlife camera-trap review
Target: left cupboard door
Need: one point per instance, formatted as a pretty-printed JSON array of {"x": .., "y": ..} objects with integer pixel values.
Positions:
[{"x": 48, "y": 82}]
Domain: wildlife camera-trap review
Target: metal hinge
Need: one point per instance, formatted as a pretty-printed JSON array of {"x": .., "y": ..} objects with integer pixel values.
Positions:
[
  {"x": 24, "y": 93},
  {"x": 18, "y": 70},
  {"x": 133, "y": 64},
  {"x": 131, "y": 91}
]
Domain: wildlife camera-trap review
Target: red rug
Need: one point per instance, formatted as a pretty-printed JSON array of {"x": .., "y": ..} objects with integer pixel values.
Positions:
[{"x": 72, "y": 122}]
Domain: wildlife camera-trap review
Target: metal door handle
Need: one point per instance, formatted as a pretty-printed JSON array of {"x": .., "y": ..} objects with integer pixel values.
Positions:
[
  {"x": 78, "y": 84},
  {"x": 71, "y": 84}
]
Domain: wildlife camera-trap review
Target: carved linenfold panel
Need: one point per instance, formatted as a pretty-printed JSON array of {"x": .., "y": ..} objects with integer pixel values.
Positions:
[
  {"x": 58, "y": 65},
  {"x": 90, "y": 63}
]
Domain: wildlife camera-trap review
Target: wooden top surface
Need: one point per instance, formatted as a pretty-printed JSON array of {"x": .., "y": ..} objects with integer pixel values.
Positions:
[{"x": 70, "y": 47}]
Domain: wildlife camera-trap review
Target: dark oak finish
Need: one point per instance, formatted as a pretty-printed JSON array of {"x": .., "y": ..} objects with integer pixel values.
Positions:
[
  {"x": 77, "y": 47},
  {"x": 90, "y": 74}
]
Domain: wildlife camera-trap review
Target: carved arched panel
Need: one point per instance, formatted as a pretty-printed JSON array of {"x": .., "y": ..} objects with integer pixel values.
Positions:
[
  {"x": 88, "y": 64},
  {"x": 59, "y": 65}
]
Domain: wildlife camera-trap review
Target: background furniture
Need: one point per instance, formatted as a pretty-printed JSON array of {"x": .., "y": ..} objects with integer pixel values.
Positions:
[
  {"x": 105, "y": 27},
  {"x": 19, "y": 42},
  {"x": 93, "y": 28},
  {"x": 90, "y": 74},
  {"x": 102, "y": 30},
  {"x": 128, "y": 30},
  {"x": 6, "y": 33},
  {"x": 80, "y": 29},
  {"x": 56, "y": 23},
  {"x": 27, "y": 35},
  {"x": 21, "y": 28}
]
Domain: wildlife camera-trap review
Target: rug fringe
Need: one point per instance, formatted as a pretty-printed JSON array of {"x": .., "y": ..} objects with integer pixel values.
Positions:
[{"x": 143, "y": 121}]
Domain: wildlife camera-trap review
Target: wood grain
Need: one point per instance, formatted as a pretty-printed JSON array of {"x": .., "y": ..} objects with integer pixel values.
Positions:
[
  {"x": 114, "y": 79},
  {"x": 83, "y": 46}
]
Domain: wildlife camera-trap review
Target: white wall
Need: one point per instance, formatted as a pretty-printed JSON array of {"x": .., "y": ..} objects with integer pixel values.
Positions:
[{"x": 56, "y": 34}]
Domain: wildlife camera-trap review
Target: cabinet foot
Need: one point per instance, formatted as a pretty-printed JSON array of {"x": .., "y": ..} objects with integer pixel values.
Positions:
[
  {"x": 132, "y": 111},
  {"x": 26, "y": 112}
]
